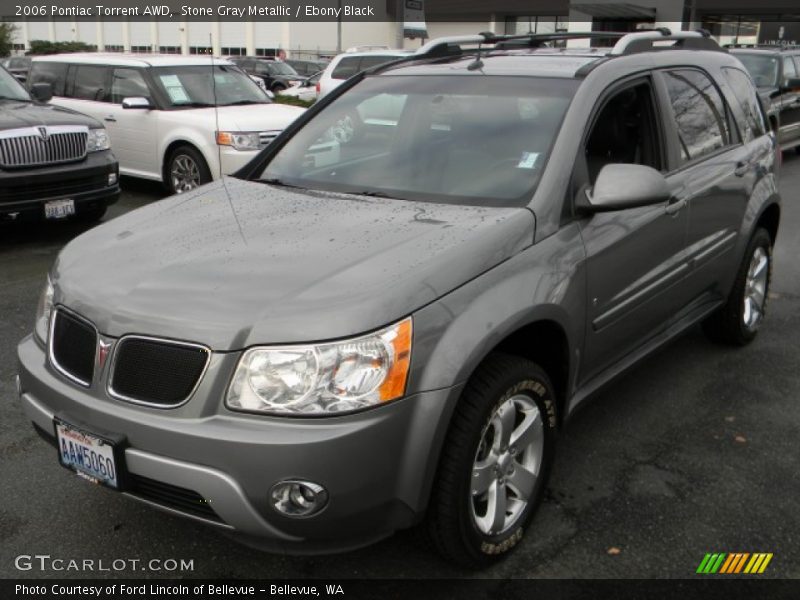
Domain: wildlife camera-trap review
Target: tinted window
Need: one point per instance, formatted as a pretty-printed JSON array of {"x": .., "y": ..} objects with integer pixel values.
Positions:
[
  {"x": 763, "y": 68},
  {"x": 50, "y": 72},
  {"x": 373, "y": 61},
  {"x": 347, "y": 67},
  {"x": 753, "y": 125},
  {"x": 789, "y": 70},
  {"x": 467, "y": 140},
  {"x": 127, "y": 83},
  {"x": 89, "y": 83},
  {"x": 699, "y": 113}
]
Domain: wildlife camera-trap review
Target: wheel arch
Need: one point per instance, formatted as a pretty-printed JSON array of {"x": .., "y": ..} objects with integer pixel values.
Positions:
[
  {"x": 175, "y": 144},
  {"x": 770, "y": 219}
]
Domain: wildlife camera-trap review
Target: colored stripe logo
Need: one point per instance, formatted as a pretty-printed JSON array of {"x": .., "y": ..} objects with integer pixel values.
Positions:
[{"x": 734, "y": 563}]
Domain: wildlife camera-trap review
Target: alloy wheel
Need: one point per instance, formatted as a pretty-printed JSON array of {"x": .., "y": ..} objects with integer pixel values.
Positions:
[
  {"x": 755, "y": 294},
  {"x": 184, "y": 174}
]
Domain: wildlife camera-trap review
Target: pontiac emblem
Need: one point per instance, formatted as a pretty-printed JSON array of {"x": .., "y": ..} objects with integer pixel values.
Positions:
[
  {"x": 102, "y": 353},
  {"x": 43, "y": 133}
]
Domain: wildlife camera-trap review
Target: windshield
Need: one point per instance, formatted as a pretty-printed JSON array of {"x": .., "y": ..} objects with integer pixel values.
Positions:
[
  {"x": 193, "y": 86},
  {"x": 762, "y": 68},
  {"x": 471, "y": 139},
  {"x": 281, "y": 68},
  {"x": 11, "y": 89}
]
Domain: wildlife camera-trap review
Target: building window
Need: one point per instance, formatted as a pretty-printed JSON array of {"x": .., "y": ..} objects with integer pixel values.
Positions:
[
  {"x": 536, "y": 24},
  {"x": 199, "y": 50},
  {"x": 140, "y": 49},
  {"x": 732, "y": 29},
  {"x": 114, "y": 48},
  {"x": 169, "y": 49},
  {"x": 266, "y": 52},
  {"x": 233, "y": 51},
  {"x": 19, "y": 48}
]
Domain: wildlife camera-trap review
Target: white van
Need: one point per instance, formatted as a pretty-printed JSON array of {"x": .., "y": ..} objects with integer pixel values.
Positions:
[
  {"x": 344, "y": 66},
  {"x": 183, "y": 120}
]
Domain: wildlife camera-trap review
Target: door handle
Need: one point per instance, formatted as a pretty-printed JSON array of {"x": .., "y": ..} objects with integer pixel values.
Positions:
[
  {"x": 110, "y": 119},
  {"x": 674, "y": 207}
]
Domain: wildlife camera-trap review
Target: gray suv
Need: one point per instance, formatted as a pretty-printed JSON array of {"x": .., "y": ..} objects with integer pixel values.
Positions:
[{"x": 317, "y": 353}]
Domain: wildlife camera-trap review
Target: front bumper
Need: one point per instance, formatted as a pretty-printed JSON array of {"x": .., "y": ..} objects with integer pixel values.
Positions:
[
  {"x": 377, "y": 465},
  {"x": 24, "y": 191}
]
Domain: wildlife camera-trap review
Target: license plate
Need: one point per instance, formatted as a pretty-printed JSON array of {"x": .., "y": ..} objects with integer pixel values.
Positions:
[
  {"x": 58, "y": 209},
  {"x": 90, "y": 456}
]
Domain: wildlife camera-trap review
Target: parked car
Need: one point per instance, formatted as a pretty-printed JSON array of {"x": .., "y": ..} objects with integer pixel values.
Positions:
[
  {"x": 348, "y": 64},
  {"x": 776, "y": 72},
  {"x": 276, "y": 74},
  {"x": 18, "y": 66},
  {"x": 182, "y": 120},
  {"x": 319, "y": 356},
  {"x": 54, "y": 162},
  {"x": 307, "y": 90},
  {"x": 306, "y": 68}
]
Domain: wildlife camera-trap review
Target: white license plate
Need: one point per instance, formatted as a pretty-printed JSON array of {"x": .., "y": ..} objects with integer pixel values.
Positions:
[
  {"x": 90, "y": 456},
  {"x": 58, "y": 209}
]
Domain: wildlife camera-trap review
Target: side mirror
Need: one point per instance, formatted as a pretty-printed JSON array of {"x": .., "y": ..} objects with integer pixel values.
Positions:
[
  {"x": 791, "y": 84},
  {"x": 137, "y": 102},
  {"x": 42, "y": 92},
  {"x": 621, "y": 186}
]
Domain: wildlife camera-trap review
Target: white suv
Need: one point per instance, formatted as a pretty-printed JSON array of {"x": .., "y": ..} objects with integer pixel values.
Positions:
[
  {"x": 344, "y": 66},
  {"x": 177, "y": 119}
]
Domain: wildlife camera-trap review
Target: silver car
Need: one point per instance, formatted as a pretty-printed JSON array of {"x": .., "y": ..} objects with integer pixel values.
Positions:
[{"x": 311, "y": 356}]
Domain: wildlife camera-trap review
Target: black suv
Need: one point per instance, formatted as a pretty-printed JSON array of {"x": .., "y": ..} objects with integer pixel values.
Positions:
[
  {"x": 776, "y": 72},
  {"x": 54, "y": 162},
  {"x": 307, "y": 68},
  {"x": 277, "y": 75}
]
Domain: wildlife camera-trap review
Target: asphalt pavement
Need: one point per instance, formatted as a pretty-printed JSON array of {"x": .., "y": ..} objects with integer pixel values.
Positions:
[{"x": 694, "y": 451}]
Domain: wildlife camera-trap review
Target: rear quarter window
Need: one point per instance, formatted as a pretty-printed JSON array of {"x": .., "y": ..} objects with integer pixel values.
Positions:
[
  {"x": 53, "y": 73},
  {"x": 346, "y": 68},
  {"x": 753, "y": 125}
]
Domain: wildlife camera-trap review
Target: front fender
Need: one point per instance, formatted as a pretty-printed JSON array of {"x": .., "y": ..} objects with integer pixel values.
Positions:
[{"x": 544, "y": 282}]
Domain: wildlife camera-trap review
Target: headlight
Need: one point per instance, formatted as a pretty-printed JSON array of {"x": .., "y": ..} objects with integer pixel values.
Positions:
[
  {"x": 239, "y": 140},
  {"x": 97, "y": 140},
  {"x": 43, "y": 311},
  {"x": 324, "y": 379}
]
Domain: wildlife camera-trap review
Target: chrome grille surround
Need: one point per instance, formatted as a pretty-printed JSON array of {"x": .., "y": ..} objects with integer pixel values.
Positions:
[{"x": 42, "y": 145}]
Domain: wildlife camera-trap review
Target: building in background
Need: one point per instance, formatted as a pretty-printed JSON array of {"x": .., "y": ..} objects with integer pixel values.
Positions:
[{"x": 731, "y": 21}]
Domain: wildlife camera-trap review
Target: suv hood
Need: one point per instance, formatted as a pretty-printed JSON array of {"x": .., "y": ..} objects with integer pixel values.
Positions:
[
  {"x": 14, "y": 114},
  {"x": 238, "y": 263}
]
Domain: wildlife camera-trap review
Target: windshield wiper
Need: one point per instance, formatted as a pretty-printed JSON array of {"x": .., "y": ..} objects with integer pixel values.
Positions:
[{"x": 279, "y": 183}]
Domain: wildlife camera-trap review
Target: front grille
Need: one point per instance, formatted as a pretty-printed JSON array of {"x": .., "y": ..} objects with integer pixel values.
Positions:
[
  {"x": 159, "y": 372},
  {"x": 266, "y": 137},
  {"x": 73, "y": 342},
  {"x": 29, "y": 148},
  {"x": 171, "y": 496},
  {"x": 37, "y": 191}
]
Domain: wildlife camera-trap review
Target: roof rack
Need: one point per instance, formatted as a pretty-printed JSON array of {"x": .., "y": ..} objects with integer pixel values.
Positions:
[
  {"x": 627, "y": 43},
  {"x": 646, "y": 41}
]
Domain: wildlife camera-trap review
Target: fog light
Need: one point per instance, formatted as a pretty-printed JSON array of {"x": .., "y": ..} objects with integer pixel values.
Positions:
[
  {"x": 112, "y": 178},
  {"x": 298, "y": 498}
]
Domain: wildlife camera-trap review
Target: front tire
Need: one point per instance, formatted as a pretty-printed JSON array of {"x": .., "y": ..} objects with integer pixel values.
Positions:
[
  {"x": 186, "y": 170},
  {"x": 495, "y": 462},
  {"x": 739, "y": 320}
]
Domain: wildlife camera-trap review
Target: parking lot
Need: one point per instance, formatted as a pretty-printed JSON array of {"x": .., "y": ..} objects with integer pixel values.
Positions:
[{"x": 694, "y": 451}]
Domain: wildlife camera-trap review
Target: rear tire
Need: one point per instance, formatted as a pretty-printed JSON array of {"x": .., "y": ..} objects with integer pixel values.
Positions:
[
  {"x": 738, "y": 321},
  {"x": 495, "y": 462}
]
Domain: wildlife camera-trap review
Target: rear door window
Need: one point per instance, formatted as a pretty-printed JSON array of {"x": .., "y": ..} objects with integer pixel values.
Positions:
[
  {"x": 90, "y": 83},
  {"x": 699, "y": 111}
]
